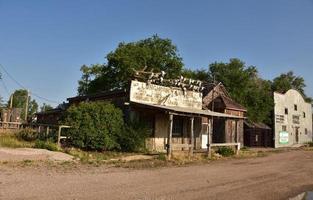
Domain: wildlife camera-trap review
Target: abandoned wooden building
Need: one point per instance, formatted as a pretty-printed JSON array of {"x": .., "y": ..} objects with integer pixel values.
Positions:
[
  {"x": 226, "y": 130},
  {"x": 257, "y": 135},
  {"x": 174, "y": 114}
]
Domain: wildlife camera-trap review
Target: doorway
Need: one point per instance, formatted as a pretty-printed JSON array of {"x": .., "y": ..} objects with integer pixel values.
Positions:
[{"x": 297, "y": 135}]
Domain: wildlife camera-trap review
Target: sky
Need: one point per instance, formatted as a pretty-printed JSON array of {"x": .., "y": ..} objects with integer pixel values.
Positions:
[{"x": 43, "y": 44}]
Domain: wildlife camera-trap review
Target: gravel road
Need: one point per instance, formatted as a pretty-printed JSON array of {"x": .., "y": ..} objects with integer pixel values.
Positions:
[{"x": 278, "y": 176}]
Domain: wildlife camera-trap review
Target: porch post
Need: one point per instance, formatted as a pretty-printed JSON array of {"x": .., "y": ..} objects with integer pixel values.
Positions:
[
  {"x": 210, "y": 131},
  {"x": 237, "y": 137},
  {"x": 192, "y": 137},
  {"x": 169, "y": 138}
]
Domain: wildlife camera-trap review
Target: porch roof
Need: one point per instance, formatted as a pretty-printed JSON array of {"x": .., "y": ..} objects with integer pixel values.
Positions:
[{"x": 186, "y": 111}]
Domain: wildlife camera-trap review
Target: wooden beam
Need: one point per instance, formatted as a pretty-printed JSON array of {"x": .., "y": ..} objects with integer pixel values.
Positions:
[
  {"x": 192, "y": 137},
  {"x": 169, "y": 138},
  {"x": 209, "y": 132}
]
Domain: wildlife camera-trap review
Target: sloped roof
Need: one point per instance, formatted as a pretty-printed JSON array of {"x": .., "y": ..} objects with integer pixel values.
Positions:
[
  {"x": 257, "y": 125},
  {"x": 220, "y": 91},
  {"x": 176, "y": 109}
]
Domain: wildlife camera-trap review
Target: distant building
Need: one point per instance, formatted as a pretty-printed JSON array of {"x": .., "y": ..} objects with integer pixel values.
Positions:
[
  {"x": 292, "y": 119},
  {"x": 257, "y": 135}
]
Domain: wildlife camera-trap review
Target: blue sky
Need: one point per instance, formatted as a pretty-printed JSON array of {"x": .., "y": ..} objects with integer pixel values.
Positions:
[{"x": 44, "y": 43}]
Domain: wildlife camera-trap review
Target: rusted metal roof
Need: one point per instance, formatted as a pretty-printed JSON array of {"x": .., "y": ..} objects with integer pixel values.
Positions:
[
  {"x": 180, "y": 110},
  {"x": 257, "y": 125}
]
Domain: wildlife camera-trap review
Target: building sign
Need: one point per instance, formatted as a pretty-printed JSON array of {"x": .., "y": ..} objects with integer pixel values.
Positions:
[
  {"x": 141, "y": 92},
  {"x": 283, "y": 137},
  {"x": 280, "y": 118}
]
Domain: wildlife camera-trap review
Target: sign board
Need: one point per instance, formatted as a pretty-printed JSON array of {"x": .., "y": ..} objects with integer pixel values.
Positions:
[
  {"x": 148, "y": 93},
  {"x": 283, "y": 137}
]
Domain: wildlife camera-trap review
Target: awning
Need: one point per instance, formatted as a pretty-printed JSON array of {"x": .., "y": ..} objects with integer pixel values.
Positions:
[{"x": 186, "y": 111}]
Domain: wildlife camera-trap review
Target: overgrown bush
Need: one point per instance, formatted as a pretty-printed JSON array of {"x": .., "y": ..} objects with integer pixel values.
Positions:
[
  {"x": 133, "y": 138},
  {"x": 310, "y": 144},
  {"x": 225, "y": 151},
  {"x": 94, "y": 126},
  {"x": 27, "y": 134},
  {"x": 49, "y": 145}
]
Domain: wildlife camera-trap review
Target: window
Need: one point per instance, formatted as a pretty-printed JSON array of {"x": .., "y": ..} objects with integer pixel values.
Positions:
[
  {"x": 295, "y": 119},
  {"x": 284, "y": 128},
  {"x": 286, "y": 111},
  {"x": 306, "y": 131},
  {"x": 178, "y": 123},
  {"x": 296, "y": 107},
  {"x": 303, "y": 114}
]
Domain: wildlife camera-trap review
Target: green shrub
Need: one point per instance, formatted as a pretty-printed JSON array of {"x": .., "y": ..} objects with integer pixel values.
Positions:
[
  {"x": 225, "y": 151},
  {"x": 94, "y": 126},
  {"x": 49, "y": 145},
  {"x": 133, "y": 138},
  {"x": 27, "y": 134}
]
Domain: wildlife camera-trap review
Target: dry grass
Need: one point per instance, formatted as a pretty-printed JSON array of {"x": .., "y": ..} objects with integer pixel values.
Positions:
[{"x": 11, "y": 141}]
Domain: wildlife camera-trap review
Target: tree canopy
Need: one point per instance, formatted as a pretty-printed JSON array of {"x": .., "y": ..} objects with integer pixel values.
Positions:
[
  {"x": 152, "y": 54},
  {"x": 19, "y": 101},
  {"x": 157, "y": 54},
  {"x": 246, "y": 87},
  {"x": 289, "y": 80}
]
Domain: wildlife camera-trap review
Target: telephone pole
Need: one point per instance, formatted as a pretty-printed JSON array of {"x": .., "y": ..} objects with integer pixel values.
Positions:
[
  {"x": 11, "y": 101},
  {"x": 26, "y": 106}
]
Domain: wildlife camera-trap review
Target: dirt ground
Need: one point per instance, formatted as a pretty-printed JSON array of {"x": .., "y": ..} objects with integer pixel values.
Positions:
[
  {"x": 20, "y": 154},
  {"x": 277, "y": 176}
]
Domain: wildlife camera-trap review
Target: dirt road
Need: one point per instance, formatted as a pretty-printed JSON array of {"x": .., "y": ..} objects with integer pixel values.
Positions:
[{"x": 277, "y": 176}]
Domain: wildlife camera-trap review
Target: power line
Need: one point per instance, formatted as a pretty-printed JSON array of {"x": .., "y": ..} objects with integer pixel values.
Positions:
[
  {"x": 19, "y": 84},
  {"x": 5, "y": 87}
]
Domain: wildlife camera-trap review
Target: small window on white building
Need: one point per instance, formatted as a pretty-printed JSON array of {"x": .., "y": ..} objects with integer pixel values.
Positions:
[
  {"x": 306, "y": 131},
  {"x": 303, "y": 114},
  {"x": 284, "y": 128},
  {"x": 296, "y": 107},
  {"x": 286, "y": 111}
]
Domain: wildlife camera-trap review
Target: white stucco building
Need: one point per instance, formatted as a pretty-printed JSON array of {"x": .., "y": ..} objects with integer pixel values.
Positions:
[{"x": 292, "y": 119}]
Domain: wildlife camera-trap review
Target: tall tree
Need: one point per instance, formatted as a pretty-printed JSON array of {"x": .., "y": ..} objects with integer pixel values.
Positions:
[
  {"x": 45, "y": 107},
  {"x": 19, "y": 101},
  {"x": 245, "y": 87},
  {"x": 289, "y": 80},
  {"x": 88, "y": 74},
  {"x": 152, "y": 54}
]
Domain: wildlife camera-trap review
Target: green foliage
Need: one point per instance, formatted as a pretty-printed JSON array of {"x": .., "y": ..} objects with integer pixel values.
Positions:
[
  {"x": 225, "y": 151},
  {"x": 45, "y": 107},
  {"x": 94, "y": 126},
  {"x": 19, "y": 101},
  {"x": 49, "y": 145},
  {"x": 287, "y": 81},
  {"x": 88, "y": 73},
  {"x": 27, "y": 134},
  {"x": 134, "y": 137},
  {"x": 201, "y": 74},
  {"x": 154, "y": 53},
  {"x": 245, "y": 87}
]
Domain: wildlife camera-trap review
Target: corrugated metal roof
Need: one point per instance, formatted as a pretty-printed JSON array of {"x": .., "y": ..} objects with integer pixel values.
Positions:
[{"x": 176, "y": 109}]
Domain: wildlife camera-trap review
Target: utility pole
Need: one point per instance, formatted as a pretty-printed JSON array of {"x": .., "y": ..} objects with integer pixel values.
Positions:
[
  {"x": 11, "y": 101},
  {"x": 26, "y": 106}
]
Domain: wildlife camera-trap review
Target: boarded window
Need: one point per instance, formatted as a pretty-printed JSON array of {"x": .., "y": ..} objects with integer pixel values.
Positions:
[
  {"x": 295, "y": 119},
  {"x": 178, "y": 123}
]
